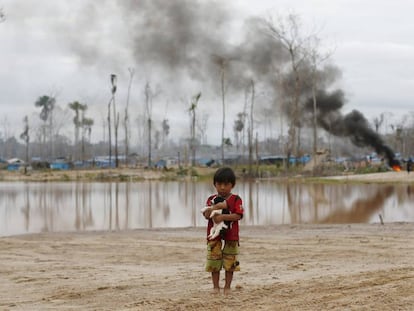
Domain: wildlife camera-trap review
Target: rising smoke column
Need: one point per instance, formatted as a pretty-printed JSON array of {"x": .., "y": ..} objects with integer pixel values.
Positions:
[
  {"x": 352, "y": 125},
  {"x": 177, "y": 39},
  {"x": 179, "y": 36}
]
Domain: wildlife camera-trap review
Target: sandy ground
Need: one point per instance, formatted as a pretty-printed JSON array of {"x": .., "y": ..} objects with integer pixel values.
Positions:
[
  {"x": 306, "y": 267},
  {"x": 391, "y": 177}
]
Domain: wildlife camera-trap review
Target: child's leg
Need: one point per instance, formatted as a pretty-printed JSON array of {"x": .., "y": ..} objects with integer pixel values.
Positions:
[
  {"x": 230, "y": 262},
  {"x": 215, "y": 277},
  {"x": 214, "y": 262},
  {"x": 229, "y": 278}
]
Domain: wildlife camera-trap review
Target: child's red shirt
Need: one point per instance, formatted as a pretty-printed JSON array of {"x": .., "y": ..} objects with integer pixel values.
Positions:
[{"x": 235, "y": 206}]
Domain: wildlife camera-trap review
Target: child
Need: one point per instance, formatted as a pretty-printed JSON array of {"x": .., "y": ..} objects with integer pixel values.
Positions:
[{"x": 217, "y": 256}]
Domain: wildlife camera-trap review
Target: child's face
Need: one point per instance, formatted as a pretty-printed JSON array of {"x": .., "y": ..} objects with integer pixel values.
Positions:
[{"x": 223, "y": 188}]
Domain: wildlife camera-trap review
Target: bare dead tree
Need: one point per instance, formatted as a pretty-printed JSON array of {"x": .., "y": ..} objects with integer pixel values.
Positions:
[
  {"x": 5, "y": 137},
  {"x": 116, "y": 127},
  {"x": 26, "y": 138},
  {"x": 378, "y": 121},
  {"x": 250, "y": 129},
  {"x": 223, "y": 95},
  {"x": 202, "y": 127},
  {"x": 149, "y": 96},
  {"x": 148, "y": 112},
  {"x": 116, "y": 120},
  {"x": 126, "y": 117},
  {"x": 246, "y": 104},
  {"x": 287, "y": 31},
  {"x": 222, "y": 63},
  {"x": 165, "y": 128},
  {"x": 86, "y": 124},
  {"x": 113, "y": 90},
  {"x": 61, "y": 118},
  {"x": 316, "y": 59},
  {"x": 141, "y": 125},
  {"x": 192, "y": 111}
]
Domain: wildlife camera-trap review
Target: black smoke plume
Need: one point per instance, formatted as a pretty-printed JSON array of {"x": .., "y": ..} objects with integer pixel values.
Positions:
[
  {"x": 177, "y": 39},
  {"x": 352, "y": 125}
]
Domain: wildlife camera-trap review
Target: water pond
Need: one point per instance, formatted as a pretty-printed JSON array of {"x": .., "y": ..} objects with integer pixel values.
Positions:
[{"x": 27, "y": 207}]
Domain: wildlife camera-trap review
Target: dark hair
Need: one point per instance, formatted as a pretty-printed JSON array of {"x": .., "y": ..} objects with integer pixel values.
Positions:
[{"x": 224, "y": 174}]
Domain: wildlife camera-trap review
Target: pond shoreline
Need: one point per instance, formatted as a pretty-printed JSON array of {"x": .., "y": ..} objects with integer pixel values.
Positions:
[
  {"x": 120, "y": 174},
  {"x": 141, "y": 174}
]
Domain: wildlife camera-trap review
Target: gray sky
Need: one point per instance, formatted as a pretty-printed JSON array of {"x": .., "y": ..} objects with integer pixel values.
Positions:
[{"x": 69, "y": 49}]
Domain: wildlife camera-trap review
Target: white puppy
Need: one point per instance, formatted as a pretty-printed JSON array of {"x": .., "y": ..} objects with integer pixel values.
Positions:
[{"x": 217, "y": 228}]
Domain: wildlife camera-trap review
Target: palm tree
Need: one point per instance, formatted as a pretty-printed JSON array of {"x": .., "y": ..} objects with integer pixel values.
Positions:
[
  {"x": 77, "y": 107},
  {"x": 47, "y": 104},
  {"x": 86, "y": 128},
  {"x": 238, "y": 127}
]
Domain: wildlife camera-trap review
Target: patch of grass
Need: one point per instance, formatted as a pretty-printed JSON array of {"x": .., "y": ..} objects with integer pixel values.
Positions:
[
  {"x": 124, "y": 178},
  {"x": 90, "y": 176},
  {"x": 193, "y": 172},
  {"x": 65, "y": 177},
  {"x": 102, "y": 177},
  {"x": 182, "y": 171}
]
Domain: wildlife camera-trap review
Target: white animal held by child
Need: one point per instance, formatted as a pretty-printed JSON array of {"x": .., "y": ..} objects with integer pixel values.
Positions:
[{"x": 221, "y": 227}]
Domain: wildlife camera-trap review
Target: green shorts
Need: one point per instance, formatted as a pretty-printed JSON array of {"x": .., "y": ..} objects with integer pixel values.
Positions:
[{"x": 226, "y": 257}]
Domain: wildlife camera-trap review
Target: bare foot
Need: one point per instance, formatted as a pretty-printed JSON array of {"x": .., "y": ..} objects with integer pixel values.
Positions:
[
  {"x": 216, "y": 291},
  {"x": 227, "y": 291}
]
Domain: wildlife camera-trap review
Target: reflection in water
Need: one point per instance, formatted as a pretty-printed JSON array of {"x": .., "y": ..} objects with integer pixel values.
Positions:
[
  {"x": 250, "y": 205},
  {"x": 83, "y": 207},
  {"x": 362, "y": 209},
  {"x": 321, "y": 203},
  {"x": 26, "y": 208},
  {"x": 50, "y": 207}
]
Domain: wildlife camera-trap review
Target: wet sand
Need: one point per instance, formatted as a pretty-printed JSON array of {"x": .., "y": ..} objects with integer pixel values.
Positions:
[{"x": 304, "y": 267}]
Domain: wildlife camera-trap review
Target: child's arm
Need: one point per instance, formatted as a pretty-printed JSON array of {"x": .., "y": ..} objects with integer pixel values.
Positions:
[
  {"x": 221, "y": 205},
  {"x": 226, "y": 217},
  {"x": 210, "y": 209}
]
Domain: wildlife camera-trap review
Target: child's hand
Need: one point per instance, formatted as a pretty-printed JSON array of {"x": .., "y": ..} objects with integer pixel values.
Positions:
[
  {"x": 221, "y": 205},
  {"x": 206, "y": 211}
]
